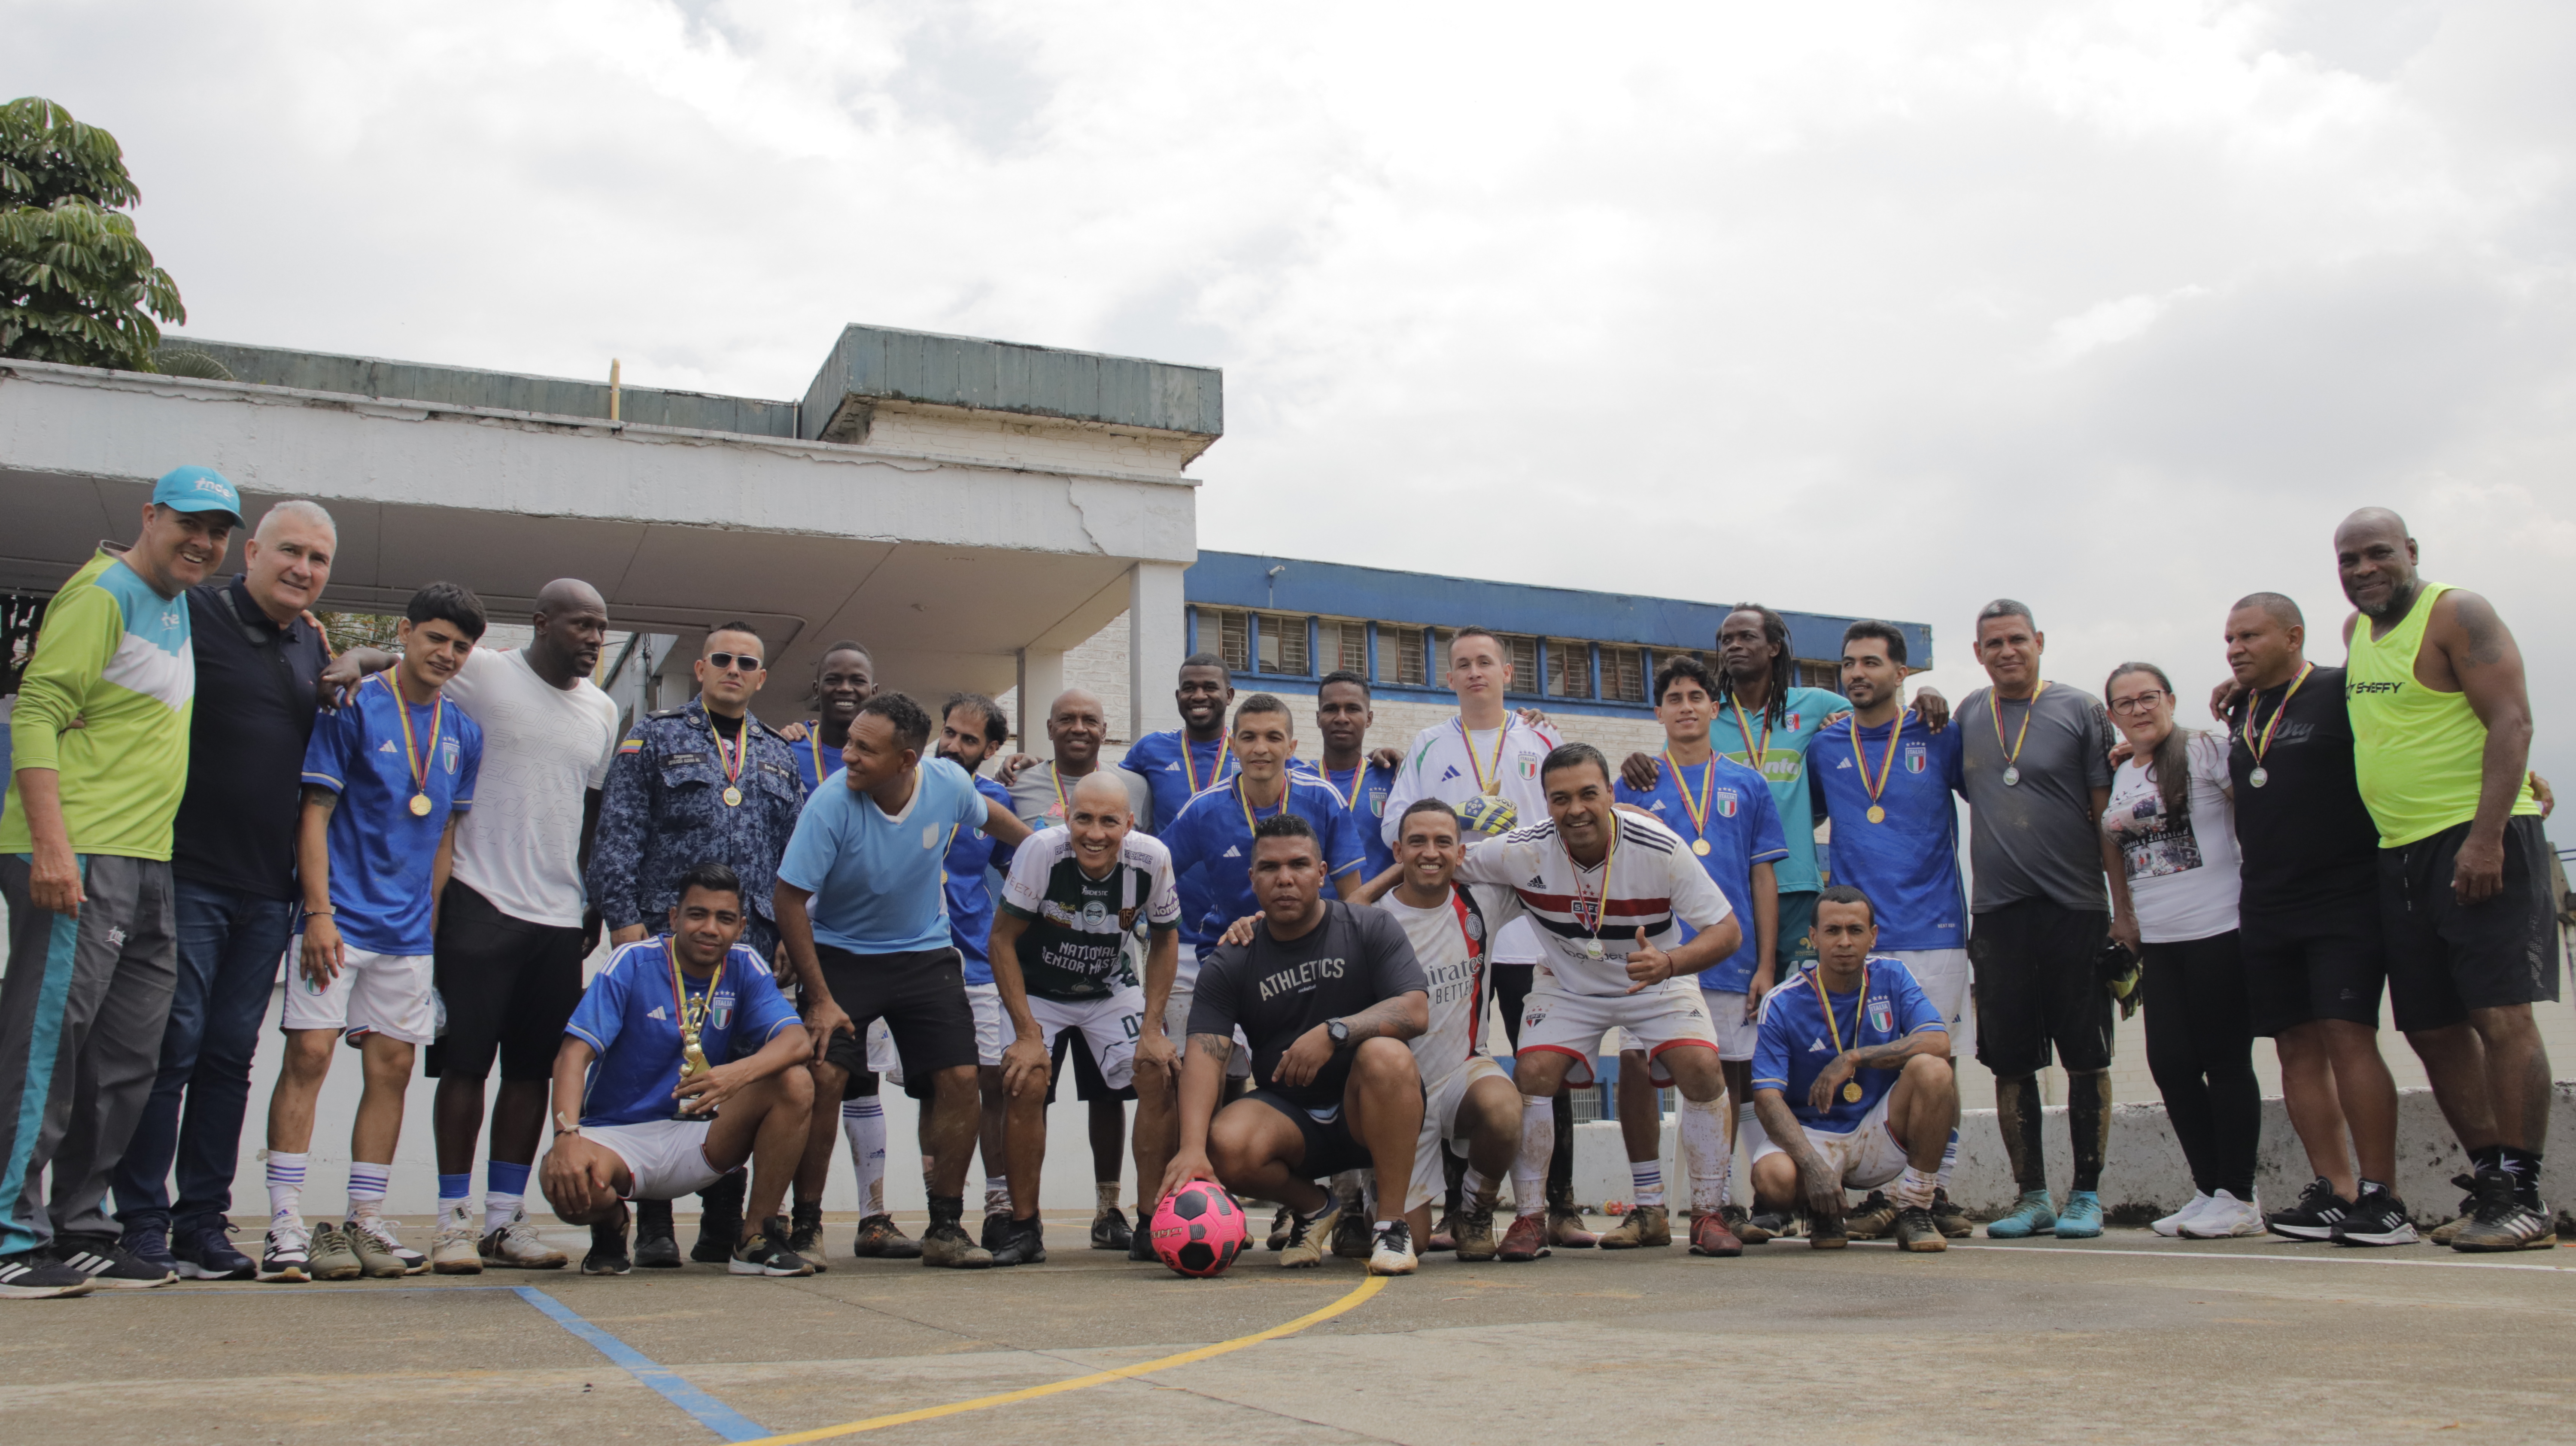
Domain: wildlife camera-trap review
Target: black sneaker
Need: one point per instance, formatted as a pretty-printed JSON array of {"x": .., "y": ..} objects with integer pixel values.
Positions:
[
  {"x": 2314, "y": 1217},
  {"x": 657, "y": 1244},
  {"x": 28, "y": 1275},
  {"x": 206, "y": 1252},
  {"x": 1140, "y": 1246},
  {"x": 1351, "y": 1237},
  {"x": 2377, "y": 1218},
  {"x": 2449, "y": 1230},
  {"x": 1954, "y": 1222},
  {"x": 720, "y": 1222},
  {"x": 2503, "y": 1221},
  {"x": 997, "y": 1230},
  {"x": 1108, "y": 1230},
  {"x": 1025, "y": 1244},
  {"x": 765, "y": 1252},
  {"x": 1280, "y": 1228},
  {"x": 1763, "y": 1227},
  {"x": 151, "y": 1245},
  {"x": 114, "y": 1268},
  {"x": 805, "y": 1234},
  {"x": 608, "y": 1248}
]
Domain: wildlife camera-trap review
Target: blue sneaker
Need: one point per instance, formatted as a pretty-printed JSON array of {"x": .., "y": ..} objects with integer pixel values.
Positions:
[
  {"x": 151, "y": 1245},
  {"x": 2033, "y": 1215},
  {"x": 206, "y": 1252},
  {"x": 2082, "y": 1217}
]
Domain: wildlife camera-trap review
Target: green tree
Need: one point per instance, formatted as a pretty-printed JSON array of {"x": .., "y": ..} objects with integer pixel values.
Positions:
[{"x": 76, "y": 283}]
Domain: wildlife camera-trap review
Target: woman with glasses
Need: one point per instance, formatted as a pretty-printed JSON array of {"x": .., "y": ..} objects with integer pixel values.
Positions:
[{"x": 2172, "y": 815}]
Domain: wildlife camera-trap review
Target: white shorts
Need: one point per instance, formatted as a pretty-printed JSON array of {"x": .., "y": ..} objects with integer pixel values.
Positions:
[
  {"x": 387, "y": 994},
  {"x": 668, "y": 1158},
  {"x": 1109, "y": 1025},
  {"x": 1176, "y": 1028},
  {"x": 1868, "y": 1157},
  {"x": 984, "y": 999},
  {"x": 1736, "y": 1035},
  {"x": 1441, "y": 1099},
  {"x": 1945, "y": 978},
  {"x": 1671, "y": 1017}
]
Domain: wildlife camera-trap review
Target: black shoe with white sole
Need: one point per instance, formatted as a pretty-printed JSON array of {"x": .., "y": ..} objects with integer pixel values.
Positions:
[
  {"x": 114, "y": 1268},
  {"x": 1023, "y": 1244},
  {"x": 765, "y": 1252},
  {"x": 30, "y": 1276},
  {"x": 2319, "y": 1210},
  {"x": 2377, "y": 1218},
  {"x": 608, "y": 1248}
]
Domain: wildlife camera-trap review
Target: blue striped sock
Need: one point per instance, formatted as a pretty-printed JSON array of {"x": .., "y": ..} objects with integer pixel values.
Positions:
[
  {"x": 367, "y": 1189},
  {"x": 286, "y": 1187}
]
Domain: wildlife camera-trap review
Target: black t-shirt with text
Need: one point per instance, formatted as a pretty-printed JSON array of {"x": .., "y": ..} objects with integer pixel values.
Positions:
[
  {"x": 1277, "y": 991},
  {"x": 2306, "y": 835}
]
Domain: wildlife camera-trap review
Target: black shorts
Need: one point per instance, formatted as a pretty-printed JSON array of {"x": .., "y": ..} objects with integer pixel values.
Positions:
[
  {"x": 920, "y": 995},
  {"x": 1511, "y": 989},
  {"x": 1087, "y": 1083},
  {"x": 848, "y": 1053},
  {"x": 508, "y": 988},
  {"x": 2037, "y": 984},
  {"x": 2446, "y": 958},
  {"x": 2320, "y": 961},
  {"x": 1331, "y": 1148}
]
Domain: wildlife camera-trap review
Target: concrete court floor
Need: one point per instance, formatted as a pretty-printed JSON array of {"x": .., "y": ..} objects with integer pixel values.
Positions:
[{"x": 2129, "y": 1338}]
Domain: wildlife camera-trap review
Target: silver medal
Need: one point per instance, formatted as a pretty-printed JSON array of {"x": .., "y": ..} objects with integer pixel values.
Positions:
[
  {"x": 2012, "y": 775},
  {"x": 2259, "y": 776}
]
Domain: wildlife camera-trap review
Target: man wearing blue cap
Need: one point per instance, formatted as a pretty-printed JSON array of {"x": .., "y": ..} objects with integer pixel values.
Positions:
[{"x": 85, "y": 866}]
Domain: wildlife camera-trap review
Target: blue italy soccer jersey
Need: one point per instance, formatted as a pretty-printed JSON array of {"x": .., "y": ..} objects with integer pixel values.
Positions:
[
  {"x": 1783, "y": 744},
  {"x": 1797, "y": 1043},
  {"x": 815, "y": 759},
  {"x": 878, "y": 881},
  {"x": 1743, "y": 830},
  {"x": 629, "y": 1015},
  {"x": 1908, "y": 863},
  {"x": 1214, "y": 833},
  {"x": 381, "y": 851},
  {"x": 970, "y": 902},
  {"x": 1176, "y": 772},
  {"x": 1363, "y": 790}
]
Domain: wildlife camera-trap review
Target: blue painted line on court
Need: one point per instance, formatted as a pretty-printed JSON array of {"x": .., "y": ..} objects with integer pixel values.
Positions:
[{"x": 711, "y": 1413}]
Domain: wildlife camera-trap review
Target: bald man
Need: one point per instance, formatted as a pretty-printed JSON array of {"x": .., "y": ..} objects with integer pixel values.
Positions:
[{"x": 2441, "y": 725}]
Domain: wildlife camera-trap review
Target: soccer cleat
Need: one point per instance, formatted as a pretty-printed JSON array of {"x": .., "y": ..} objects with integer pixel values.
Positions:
[
  {"x": 1831, "y": 1234},
  {"x": 1351, "y": 1234},
  {"x": 2033, "y": 1215},
  {"x": 2377, "y": 1218},
  {"x": 805, "y": 1234},
  {"x": 2225, "y": 1217},
  {"x": 28, "y": 1275},
  {"x": 515, "y": 1246},
  {"x": 207, "y": 1253},
  {"x": 1915, "y": 1230},
  {"x": 1874, "y": 1218},
  {"x": 1763, "y": 1228},
  {"x": 1444, "y": 1236},
  {"x": 1026, "y": 1244},
  {"x": 1109, "y": 1230},
  {"x": 331, "y": 1255},
  {"x": 608, "y": 1248},
  {"x": 379, "y": 1230},
  {"x": 1308, "y": 1238},
  {"x": 997, "y": 1230},
  {"x": 1279, "y": 1229},
  {"x": 453, "y": 1251},
  {"x": 945, "y": 1243},
  {"x": 1954, "y": 1222},
  {"x": 765, "y": 1252},
  {"x": 2082, "y": 1217},
  {"x": 1391, "y": 1252},
  {"x": 1565, "y": 1229},
  {"x": 2502, "y": 1221},
  {"x": 151, "y": 1245},
  {"x": 657, "y": 1242},
  {"x": 880, "y": 1238},
  {"x": 1643, "y": 1225},
  {"x": 2170, "y": 1226},
  {"x": 1709, "y": 1236},
  {"x": 113, "y": 1267},
  {"x": 1472, "y": 1232},
  {"x": 2449, "y": 1230},
  {"x": 1525, "y": 1240},
  {"x": 376, "y": 1258},
  {"x": 2314, "y": 1217}
]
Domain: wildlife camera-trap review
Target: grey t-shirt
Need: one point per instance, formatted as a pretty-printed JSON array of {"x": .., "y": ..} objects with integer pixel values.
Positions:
[
  {"x": 1035, "y": 799},
  {"x": 1278, "y": 991},
  {"x": 2034, "y": 839}
]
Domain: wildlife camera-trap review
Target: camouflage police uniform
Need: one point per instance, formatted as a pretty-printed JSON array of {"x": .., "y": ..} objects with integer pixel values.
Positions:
[{"x": 664, "y": 813}]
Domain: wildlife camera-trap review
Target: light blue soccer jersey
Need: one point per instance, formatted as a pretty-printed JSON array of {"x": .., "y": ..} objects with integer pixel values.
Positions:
[
  {"x": 878, "y": 881},
  {"x": 1796, "y": 1044},
  {"x": 1784, "y": 743},
  {"x": 381, "y": 852}
]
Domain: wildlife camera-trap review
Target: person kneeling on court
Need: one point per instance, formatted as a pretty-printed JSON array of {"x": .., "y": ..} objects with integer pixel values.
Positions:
[
  {"x": 1327, "y": 993},
  {"x": 678, "y": 1067},
  {"x": 1851, "y": 1078}
]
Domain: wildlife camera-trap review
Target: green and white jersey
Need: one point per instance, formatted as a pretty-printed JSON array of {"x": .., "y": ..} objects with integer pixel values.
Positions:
[
  {"x": 119, "y": 656},
  {"x": 1076, "y": 945}
]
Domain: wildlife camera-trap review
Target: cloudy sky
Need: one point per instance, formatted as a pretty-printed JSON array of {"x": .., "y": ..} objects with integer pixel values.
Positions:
[{"x": 1878, "y": 308}]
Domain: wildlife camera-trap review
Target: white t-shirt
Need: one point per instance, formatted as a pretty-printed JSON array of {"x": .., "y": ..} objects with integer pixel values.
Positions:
[
  {"x": 2182, "y": 872},
  {"x": 1652, "y": 879},
  {"x": 544, "y": 747},
  {"x": 1449, "y": 940},
  {"x": 1439, "y": 764}
]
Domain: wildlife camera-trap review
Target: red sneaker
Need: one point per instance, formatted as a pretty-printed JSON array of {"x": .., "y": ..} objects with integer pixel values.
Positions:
[
  {"x": 1709, "y": 1236},
  {"x": 1526, "y": 1240}
]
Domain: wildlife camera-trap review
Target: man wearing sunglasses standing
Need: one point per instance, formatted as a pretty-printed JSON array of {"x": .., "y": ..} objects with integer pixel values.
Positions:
[{"x": 703, "y": 783}]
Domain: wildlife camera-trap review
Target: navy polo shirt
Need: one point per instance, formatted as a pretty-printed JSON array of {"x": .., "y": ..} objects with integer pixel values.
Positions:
[{"x": 246, "y": 740}]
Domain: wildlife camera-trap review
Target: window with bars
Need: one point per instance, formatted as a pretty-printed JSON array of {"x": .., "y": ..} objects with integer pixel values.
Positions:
[
  {"x": 1441, "y": 638},
  {"x": 1224, "y": 632},
  {"x": 1283, "y": 644},
  {"x": 1400, "y": 656},
  {"x": 1523, "y": 653},
  {"x": 1623, "y": 675},
  {"x": 1569, "y": 668},
  {"x": 1341, "y": 645},
  {"x": 1813, "y": 674}
]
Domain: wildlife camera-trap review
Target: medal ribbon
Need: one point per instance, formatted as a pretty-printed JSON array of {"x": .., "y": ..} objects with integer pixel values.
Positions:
[
  {"x": 690, "y": 1023},
  {"x": 1600, "y": 903},
  {"x": 1859, "y": 1008},
  {"x": 2258, "y": 749},
  {"x": 1350, "y": 795},
  {"x": 1887, "y": 765},
  {"x": 1494, "y": 785},
  {"x": 816, "y": 738},
  {"x": 741, "y": 747},
  {"x": 1190, "y": 769},
  {"x": 1250, "y": 824},
  {"x": 419, "y": 765},
  {"x": 1758, "y": 752},
  {"x": 1707, "y": 790},
  {"x": 1995, "y": 708}
]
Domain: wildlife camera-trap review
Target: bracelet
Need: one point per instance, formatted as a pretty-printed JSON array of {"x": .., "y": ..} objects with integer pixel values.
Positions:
[{"x": 320, "y": 913}]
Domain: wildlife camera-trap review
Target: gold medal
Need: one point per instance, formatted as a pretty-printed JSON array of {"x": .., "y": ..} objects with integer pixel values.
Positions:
[
  {"x": 1851, "y": 1091},
  {"x": 1699, "y": 846},
  {"x": 417, "y": 759},
  {"x": 420, "y": 805},
  {"x": 1695, "y": 808},
  {"x": 739, "y": 759},
  {"x": 1876, "y": 784},
  {"x": 1877, "y": 814},
  {"x": 732, "y": 796},
  {"x": 1833, "y": 1026}
]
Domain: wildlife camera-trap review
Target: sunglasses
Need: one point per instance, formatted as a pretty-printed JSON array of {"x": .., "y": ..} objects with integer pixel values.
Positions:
[{"x": 748, "y": 662}]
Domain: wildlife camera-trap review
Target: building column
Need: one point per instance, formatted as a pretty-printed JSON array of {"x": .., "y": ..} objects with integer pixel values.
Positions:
[
  {"x": 1156, "y": 643},
  {"x": 1041, "y": 677}
]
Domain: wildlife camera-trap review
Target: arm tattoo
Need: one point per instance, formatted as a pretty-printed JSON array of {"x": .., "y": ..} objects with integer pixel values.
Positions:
[
  {"x": 1218, "y": 1047},
  {"x": 2481, "y": 627},
  {"x": 325, "y": 799},
  {"x": 1890, "y": 1055},
  {"x": 1386, "y": 1019}
]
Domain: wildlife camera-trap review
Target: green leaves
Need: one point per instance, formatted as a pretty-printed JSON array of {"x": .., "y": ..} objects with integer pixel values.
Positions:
[{"x": 76, "y": 284}]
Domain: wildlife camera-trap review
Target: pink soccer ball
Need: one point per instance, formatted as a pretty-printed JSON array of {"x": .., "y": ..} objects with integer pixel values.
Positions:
[{"x": 1198, "y": 1229}]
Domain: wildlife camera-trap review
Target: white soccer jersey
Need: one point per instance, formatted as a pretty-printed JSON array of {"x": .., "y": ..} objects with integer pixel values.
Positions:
[
  {"x": 1450, "y": 940},
  {"x": 1652, "y": 880},
  {"x": 1439, "y": 764}
]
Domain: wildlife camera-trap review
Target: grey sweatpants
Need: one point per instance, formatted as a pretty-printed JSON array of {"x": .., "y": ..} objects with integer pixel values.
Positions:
[{"x": 81, "y": 1016}]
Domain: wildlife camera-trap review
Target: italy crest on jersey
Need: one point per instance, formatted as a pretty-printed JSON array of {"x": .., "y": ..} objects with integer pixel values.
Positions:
[
  {"x": 1529, "y": 765},
  {"x": 720, "y": 1014},
  {"x": 1727, "y": 801},
  {"x": 1882, "y": 1016},
  {"x": 1915, "y": 761},
  {"x": 447, "y": 750}
]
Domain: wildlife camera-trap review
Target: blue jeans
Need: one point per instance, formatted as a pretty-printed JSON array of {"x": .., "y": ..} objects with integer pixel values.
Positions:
[{"x": 229, "y": 947}]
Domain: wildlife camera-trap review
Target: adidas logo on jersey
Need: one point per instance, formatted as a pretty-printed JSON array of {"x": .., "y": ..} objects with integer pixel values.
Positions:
[
  {"x": 1232, "y": 852},
  {"x": 1172, "y": 767},
  {"x": 1818, "y": 1047},
  {"x": 1450, "y": 774},
  {"x": 1537, "y": 882},
  {"x": 385, "y": 747},
  {"x": 658, "y": 1012}
]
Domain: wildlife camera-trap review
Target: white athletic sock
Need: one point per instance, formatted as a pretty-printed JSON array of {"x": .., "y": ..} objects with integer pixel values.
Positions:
[
  {"x": 1749, "y": 1133},
  {"x": 1914, "y": 1188},
  {"x": 997, "y": 1195},
  {"x": 505, "y": 1189},
  {"x": 1646, "y": 1182},
  {"x": 1529, "y": 1168},
  {"x": 367, "y": 1189},
  {"x": 863, "y": 1121},
  {"x": 1949, "y": 1161},
  {"x": 455, "y": 1193},
  {"x": 1477, "y": 1189},
  {"x": 285, "y": 1189},
  {"x": 1712, "y": 1168}
]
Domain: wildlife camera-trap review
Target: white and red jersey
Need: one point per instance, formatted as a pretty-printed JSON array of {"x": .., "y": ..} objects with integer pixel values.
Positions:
[
  {"x": 1648, "y": 880},
  {"x": 1453, "y": 765},
  {"x": 1450, "y": 940}
]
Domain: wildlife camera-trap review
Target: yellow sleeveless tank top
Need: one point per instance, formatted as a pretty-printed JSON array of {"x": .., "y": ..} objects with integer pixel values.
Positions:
[{"x": 2416, "y": 752}]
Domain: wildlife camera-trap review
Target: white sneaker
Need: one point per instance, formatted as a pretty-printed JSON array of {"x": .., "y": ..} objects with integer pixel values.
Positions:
[
  {"x": 515, "y": 1246},
  {"x": 2225, "y": 1216},
  {"x": 2171, "y": 1225},
  {"x": 1391, "y": 1252},
  {"x": 453, "y": 1251}
]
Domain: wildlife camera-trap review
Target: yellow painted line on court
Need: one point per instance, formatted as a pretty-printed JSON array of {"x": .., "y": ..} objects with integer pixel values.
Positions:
[{"x": 1367, "y": 1288}]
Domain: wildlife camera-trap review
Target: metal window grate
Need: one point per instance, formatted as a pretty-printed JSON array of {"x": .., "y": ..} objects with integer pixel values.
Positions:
[
  {"x": 1343, "y": 645},
  {"x": 1523, "y": 653},
  {"x": 1569, "y": 668},
  {"x": 1399, "y": 656},
  {"x": 1233, "y": 637},
  {"x": 1283, "y": 644},
  {"x": 1813, "y": 674},
  {"x": 1623, "y": 675}
]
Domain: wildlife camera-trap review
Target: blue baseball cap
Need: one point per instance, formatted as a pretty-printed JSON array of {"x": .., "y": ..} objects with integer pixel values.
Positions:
[{"x": 197, "y": 489}]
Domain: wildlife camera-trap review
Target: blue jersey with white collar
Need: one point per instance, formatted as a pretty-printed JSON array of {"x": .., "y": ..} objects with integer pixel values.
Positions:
[
  {"x": 1796, "y": 1043},
  {"x": 382, "y": 852},
  {"x": 1159, "y": 759},
  {"x": 627, "y": 1015},
  {"x": 1214, "y": 834},
  {"x": 1743, "y": 830}
]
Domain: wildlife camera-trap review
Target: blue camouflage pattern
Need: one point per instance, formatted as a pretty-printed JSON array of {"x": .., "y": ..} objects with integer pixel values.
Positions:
[{"x": 663, "y": 813}]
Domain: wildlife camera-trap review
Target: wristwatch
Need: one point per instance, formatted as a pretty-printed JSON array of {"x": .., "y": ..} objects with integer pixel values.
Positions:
[{"x": 1339, "y": 1031}]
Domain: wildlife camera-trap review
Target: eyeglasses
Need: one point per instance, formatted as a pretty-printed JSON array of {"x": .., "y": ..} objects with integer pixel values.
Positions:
[
  {"x": 748, "y": 662},
  {"x": 2139, "y": 703}
]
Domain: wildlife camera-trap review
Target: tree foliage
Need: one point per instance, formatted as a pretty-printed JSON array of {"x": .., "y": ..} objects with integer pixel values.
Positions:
[{"x": 76, "y": 284}]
